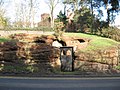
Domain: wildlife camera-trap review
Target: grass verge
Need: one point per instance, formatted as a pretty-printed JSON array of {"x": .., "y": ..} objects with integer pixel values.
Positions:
[{"x": 3, "y": 39}]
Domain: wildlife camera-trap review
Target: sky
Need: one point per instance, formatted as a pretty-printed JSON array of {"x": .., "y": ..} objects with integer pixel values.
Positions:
[{"x": 43, "y": 8}]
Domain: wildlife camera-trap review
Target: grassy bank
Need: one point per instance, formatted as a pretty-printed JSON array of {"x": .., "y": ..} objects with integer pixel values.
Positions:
[{"x": 96, "y": 42}]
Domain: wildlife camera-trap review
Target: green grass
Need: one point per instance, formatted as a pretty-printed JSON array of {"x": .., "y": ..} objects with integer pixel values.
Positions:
[
  {"x": 13, "y": 68},
  {"x": 96, "y": 42},
  {"x": 117, "y": 67},
  {"x": 3, "y": 39}
]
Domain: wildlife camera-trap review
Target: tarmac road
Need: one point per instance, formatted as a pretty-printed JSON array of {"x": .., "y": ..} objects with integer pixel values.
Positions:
[{"x": 60, "y": 83}]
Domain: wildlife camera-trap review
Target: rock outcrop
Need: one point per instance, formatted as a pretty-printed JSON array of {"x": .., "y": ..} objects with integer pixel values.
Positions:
[
  {"x": 30, "y": 53},
  {"x": 101, "y": 60}
]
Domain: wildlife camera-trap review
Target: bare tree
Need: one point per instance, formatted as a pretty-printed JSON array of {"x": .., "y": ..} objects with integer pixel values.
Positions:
[
  {"x": 3, "y": 19},
  {"x": 25, "y": 12},
  {"x": 33, "y": 5},
  {"x": 1, "y": 2},
  {"x": 1, "y": 7},
  {"x": 18, "y": 14},
  {"x": 52, "y": 4}
]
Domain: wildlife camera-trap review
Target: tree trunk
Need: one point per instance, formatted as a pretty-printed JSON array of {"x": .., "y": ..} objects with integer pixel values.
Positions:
[
  {"x": 92, "y": 21},
  {"x": 52, "y": 19},
  {"x": 108, "y": 15}
]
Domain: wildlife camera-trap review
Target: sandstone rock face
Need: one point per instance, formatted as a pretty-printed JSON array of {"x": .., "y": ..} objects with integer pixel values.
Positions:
[
  {"x": 28, "y": 52},
  {"x": 76, "y": 42},
  {"x": 8, "y": 51},
  {"x": 37, "y": 54},
  {"x": 23, "y": 37},
  {"x": 8, "y": 55},
  {"x": 101, "y": 60}
]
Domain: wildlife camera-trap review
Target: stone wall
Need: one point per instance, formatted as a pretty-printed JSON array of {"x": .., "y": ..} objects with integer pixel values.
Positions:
[
  {"x": 101, "y": 60},
  {"x": 24, "y": 55},
  {"x": 41, "y": 56}
]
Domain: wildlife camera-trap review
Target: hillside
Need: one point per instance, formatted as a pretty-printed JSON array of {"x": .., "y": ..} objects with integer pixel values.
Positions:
[{"x": 96, "y": 42}]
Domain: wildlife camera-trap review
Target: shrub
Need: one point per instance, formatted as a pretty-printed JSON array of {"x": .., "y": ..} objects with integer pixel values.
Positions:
[
  {"x": 112, "y": 33},
  {"x": 43, "y": 28},
  {"x": 117, "y": 67},
  {"x": 59, "y": 29}
]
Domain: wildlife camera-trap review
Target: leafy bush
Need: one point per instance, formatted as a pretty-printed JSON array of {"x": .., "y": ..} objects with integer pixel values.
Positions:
[
  {"x": 32, "y": 68},
  {"x": 112, "y": 33},
  {"x": 59, "y": 29},
  {"x": 117, "y": 67},
  {"x": 43, "y": 28}
]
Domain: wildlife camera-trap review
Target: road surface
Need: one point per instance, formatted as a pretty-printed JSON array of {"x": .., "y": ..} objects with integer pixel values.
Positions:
[{"x": 19, "y": 83}]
